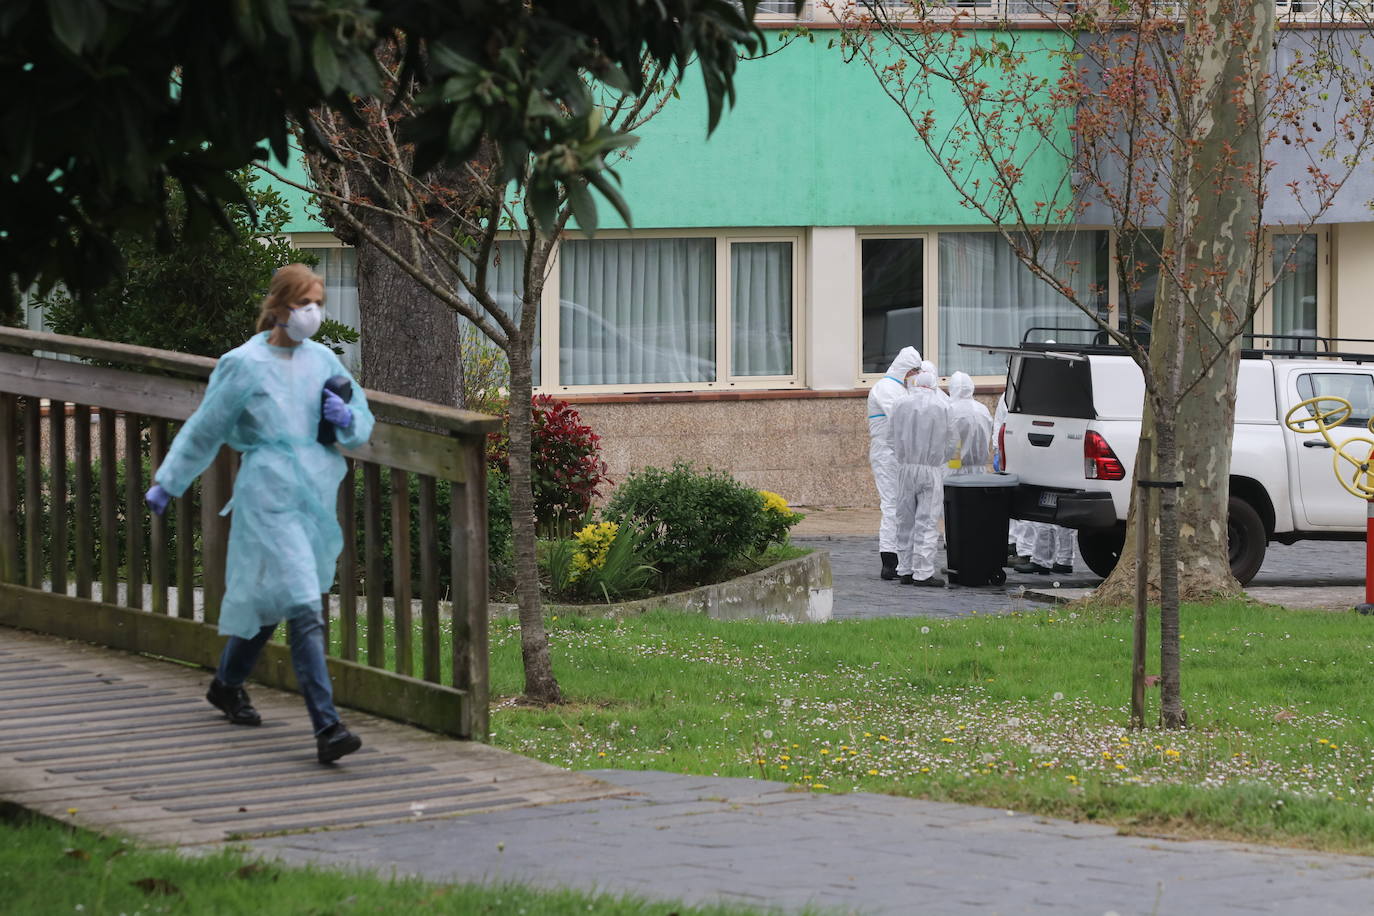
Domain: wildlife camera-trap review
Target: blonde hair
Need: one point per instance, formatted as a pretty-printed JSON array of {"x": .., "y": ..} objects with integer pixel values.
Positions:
[{"x": 288, "y": 283}]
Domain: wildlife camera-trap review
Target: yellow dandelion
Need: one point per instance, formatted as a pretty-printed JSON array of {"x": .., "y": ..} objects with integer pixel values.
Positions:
[
  {"x": 784, "y": 757},
  {"x": 601, "y": 753},
  {"x": 819, "y": 785},
  {"x": 1121, "y": 766},
  {"x": 782, "y": 766},
  {"x": 825, "y": 751},
  {"x": 872, "y": 772},
  {"x": 925, "y": 769},
  {"x": 1071, "y": 778},
  {"x": 947, "y": 740}
]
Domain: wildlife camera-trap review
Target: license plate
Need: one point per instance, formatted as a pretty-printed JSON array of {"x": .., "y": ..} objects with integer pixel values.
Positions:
[{"x": 1049, "y": 500}]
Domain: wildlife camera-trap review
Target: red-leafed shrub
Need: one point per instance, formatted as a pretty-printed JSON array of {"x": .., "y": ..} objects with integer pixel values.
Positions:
[{"x": 565, "y": 460}]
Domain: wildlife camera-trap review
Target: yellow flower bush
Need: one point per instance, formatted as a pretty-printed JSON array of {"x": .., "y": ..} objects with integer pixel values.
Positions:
[
  {"x": 772, "y": 502},
  {"x": 593, "y": 543}
]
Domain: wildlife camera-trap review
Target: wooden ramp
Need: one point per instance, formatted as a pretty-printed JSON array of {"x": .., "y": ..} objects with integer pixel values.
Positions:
[{"x": 116, "y": 742}]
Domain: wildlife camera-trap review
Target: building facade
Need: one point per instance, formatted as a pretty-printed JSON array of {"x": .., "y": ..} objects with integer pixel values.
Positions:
[{"x": 774, "y": 269}]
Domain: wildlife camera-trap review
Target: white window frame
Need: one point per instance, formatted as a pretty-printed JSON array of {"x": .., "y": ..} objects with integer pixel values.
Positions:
[
  {"x": 550, "y": 382},
  {"x": 930, "y": 327}
]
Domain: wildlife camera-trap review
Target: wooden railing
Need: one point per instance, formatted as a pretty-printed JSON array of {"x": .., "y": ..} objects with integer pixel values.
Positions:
[{"x": 159, "y": 591}]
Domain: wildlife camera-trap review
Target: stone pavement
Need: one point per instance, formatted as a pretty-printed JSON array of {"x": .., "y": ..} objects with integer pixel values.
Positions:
[
  {"x": 757, "y": 843},
  {"x": 1316, "y": 574}
]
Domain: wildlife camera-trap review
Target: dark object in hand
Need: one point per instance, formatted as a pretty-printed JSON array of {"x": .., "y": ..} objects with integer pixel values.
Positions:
[{"x": 343, "y": 387}]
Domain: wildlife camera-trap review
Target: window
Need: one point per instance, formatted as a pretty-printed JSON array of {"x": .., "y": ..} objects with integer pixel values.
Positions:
[
  {"x": 761, "y": 308},
  {"x": 339, "y": 267},
  {"x": 505, "y": 282},
  {"x": 1293, "y": 310},
  {"x": 635, "y": 311},
  {"x": 661, "y": 313},
  {"x": 1355, "y": 387},
  {"x": 893, "y": 290},
  {"x": 988, "y": 296}
]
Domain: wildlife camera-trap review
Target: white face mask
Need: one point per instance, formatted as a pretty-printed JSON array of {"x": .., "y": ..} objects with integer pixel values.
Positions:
[{"x": 303, "y": 322}]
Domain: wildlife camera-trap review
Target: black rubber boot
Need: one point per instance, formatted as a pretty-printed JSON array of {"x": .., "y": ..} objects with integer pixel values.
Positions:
[
  {"x": 233, "y": 702},
  {"x": 889, "y": 565},
  {"x": 336, "y": 741}
]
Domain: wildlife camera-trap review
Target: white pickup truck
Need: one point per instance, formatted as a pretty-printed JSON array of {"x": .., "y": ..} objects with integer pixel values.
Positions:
[{"x": 1073, "y": 426}]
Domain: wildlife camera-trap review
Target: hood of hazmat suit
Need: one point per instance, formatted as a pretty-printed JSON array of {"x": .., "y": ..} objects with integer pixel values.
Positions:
[
  {"x": 284, "y": 540},
  {"x": 972, "y": 427}
]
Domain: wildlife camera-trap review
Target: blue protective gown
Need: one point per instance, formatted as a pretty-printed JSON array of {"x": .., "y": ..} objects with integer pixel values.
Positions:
[{"x": 284, "y": 540}]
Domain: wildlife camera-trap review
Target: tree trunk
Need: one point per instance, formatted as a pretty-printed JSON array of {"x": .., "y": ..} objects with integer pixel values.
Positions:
[
  {"x": 1171, "y": 711},
  {"x": 1214, "y": 222},
  {"x": 409, "y": 338},
  {"x": 540, "y": 683}
]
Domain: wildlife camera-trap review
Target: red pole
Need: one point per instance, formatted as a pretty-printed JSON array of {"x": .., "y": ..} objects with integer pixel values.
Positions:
[{"x": 1368, "y": 606}]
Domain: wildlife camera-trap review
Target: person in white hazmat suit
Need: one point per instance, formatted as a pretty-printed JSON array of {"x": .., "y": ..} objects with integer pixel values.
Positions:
[
  {"x": 1035, "y": 547},
  {"x": 928, "y": 366},
  {"x": 922, "y": 442},
  {"x": 972, "y": 428},
  {"x": 887, "y": 391}
]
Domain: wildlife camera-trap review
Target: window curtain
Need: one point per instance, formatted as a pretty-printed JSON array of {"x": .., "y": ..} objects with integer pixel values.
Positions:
[
  {"x": 761, "y": 308},
  {"x": 339, "y": 267},
  {"x": 506, "y": 283},
  {"x": 636, "y": 311},
  {"x": 988, "y": 296},
  {"x": 1295, "y": 291}
]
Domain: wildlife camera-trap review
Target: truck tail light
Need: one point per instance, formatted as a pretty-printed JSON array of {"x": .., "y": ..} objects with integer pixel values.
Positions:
[
  {"x": 1099, "y": 461},
  {"x": 1002, "y": 444}
]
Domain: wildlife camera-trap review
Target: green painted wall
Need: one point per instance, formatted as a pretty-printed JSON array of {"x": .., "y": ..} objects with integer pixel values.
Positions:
[{"x": 812, "y": 140}]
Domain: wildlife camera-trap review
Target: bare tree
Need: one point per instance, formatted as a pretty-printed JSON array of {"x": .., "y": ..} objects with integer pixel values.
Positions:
[
  {"x": 449, "y": 236},
  {"x": 1158, "y": 119}
]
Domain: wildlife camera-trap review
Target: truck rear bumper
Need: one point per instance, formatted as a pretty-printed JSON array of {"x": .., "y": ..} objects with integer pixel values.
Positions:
[{"x": 1069, "y": 508}]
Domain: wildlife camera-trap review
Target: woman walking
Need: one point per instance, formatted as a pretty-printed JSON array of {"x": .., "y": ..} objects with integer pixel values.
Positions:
[{"x": 266, "y": 399}]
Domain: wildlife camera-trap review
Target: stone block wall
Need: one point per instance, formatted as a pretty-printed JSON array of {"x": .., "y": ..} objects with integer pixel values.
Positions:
[{"x": 809, "y": 447}]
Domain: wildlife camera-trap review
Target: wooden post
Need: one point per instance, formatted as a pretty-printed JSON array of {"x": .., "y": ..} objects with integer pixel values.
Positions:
[
  {"x": 85, "y": 531},
  {"x": 109, "y": 518},
  {"x": 157, "y": 541},
  {"x": 429, "y": 582},
  {"x": 133, "y": 509},
  {"x": 400, "y": 570},
  {"x": 1143, "y": 471},
  {"x": 33, "y": 493},
  {"x": 214, "y": 532},
  {"x": 348, "y": 567},
  {"x": 57, "y": 476},
  {"x": 9, "y": 489},
  {"x": 186, "y": 561},
  {"x": 468, "y": 532},
  {"x": 376, "y": 569}
]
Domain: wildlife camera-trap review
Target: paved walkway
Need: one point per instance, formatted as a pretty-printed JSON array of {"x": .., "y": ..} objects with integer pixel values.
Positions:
[
  {"x": 116, "y": 742},
  {"x": 758, "y": 843},
  {"x": 1313, "y": 574}
]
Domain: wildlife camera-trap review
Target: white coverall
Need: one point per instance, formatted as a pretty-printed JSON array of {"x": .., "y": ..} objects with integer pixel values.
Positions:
[
  {"x": 888, "y": 390},
  {"x": 1022, "y": 534},
  {"x": 921, "y": 441},
  {"x": 972, "y": 427}
]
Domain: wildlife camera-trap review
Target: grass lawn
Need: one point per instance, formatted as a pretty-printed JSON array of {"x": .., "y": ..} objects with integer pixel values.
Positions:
[
  {"x": 1025, "y": 711},
  {"x": 47, "y": 869}
]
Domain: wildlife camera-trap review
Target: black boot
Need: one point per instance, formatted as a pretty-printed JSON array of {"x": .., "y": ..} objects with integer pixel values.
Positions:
[
  {"x": 233, "y": 702},
  {"x": 889, "y": 565},
  {"x": 336, "y": 741}
]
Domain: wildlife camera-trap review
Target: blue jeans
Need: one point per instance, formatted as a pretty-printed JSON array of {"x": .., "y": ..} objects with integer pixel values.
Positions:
[{"x": 306, "y": 634}]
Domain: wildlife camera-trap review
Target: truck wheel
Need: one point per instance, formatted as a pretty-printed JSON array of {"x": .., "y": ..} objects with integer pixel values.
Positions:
[
  {"x": 1245, "y": 539},
  {"x": 1101, "y": 548}
]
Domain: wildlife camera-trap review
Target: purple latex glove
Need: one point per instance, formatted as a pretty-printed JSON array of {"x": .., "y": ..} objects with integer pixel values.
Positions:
[
  {"x": 157, "y": 499},
  {"x": 336, "y": 411}
]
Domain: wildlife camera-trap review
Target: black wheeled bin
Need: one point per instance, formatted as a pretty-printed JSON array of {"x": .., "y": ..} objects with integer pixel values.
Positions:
[{"x": 977, "y": 512}]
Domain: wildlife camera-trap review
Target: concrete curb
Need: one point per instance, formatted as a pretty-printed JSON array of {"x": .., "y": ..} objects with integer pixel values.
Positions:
[{"x": 800, "y": 590}]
